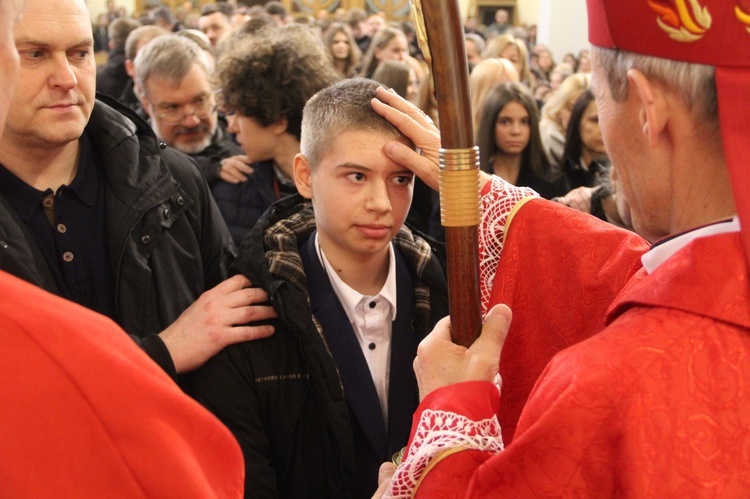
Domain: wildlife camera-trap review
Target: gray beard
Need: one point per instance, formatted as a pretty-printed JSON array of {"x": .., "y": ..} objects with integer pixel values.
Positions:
[{"x": 193, "y": 148}]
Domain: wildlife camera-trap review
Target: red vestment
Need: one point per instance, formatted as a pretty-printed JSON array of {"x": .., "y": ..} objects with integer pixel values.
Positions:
[
  {"x": 558, "y": 289},
  {"x": 85, "y": 413},
  {"x": 656, "y": 405}
]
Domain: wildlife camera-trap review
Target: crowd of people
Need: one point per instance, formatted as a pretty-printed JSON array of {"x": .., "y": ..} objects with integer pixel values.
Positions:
[
  {"x": 368, "y": 45},
  {"x": 224, "y": 268}
]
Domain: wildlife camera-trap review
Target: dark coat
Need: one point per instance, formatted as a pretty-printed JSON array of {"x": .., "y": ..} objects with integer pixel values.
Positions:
[
  {"x": 112, "y": 79},
  {"x": 167, "y": 241},
  {"x": 243, "y": 204},
  {"x": 299, "y": 401}
]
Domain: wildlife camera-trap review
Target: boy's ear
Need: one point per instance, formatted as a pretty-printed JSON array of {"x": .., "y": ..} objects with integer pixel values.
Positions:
[
  {"x": 303, "y": 175},
  {"x": 280, "y": 126}
]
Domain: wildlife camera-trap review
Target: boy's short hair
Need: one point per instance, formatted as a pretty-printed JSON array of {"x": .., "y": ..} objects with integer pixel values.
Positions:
[{"x": 337, "y": 109}]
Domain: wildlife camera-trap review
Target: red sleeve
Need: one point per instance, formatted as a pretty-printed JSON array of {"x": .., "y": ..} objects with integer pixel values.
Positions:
[{"x": 474, "y": 399}]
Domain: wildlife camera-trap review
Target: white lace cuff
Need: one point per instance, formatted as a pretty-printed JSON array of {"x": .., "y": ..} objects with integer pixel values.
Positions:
[
  {"x": 438, "y": 432},
  {"x": 497, "y": 205}
]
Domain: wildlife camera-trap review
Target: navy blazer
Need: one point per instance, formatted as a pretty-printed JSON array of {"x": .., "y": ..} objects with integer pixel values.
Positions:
[{"x": 374, "y": 443}]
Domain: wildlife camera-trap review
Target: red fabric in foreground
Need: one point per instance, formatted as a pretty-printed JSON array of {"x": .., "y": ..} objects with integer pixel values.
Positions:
[{"x": 85, "y": 413}]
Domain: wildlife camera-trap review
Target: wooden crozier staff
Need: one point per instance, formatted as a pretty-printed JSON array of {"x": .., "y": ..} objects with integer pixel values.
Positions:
[{"x": 441, "y": 39}]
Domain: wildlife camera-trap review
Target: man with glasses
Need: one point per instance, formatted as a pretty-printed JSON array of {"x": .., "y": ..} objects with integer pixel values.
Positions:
[
  {"x": 94, "y": 209},
  {"x": 173, "y": 82}
]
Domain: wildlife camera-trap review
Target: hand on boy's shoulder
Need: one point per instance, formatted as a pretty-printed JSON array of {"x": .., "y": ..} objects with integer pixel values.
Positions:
[{"x": 229, "y": 313}]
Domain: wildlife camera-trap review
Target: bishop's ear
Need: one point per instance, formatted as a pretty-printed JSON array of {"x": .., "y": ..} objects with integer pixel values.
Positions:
[
  {"x": 652, "y": 111},
  {"x": 303, "y": 175}
]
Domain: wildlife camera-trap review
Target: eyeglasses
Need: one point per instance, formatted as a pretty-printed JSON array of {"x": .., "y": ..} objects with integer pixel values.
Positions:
[{"x": 174, "y": 114}]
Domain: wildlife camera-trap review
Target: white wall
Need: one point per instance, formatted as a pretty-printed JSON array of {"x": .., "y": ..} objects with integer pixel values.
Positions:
[
  {"x": 528, "y": 11},
  {"x": 562, "y": 26}
]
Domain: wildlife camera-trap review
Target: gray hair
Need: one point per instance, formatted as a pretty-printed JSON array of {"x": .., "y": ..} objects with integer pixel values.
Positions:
[
  {"x": 171, "y": 57},
  {"x": 478, "y": 41},
  {"x": 694, "y": 83},
  {"x": 339, "y": 108}
]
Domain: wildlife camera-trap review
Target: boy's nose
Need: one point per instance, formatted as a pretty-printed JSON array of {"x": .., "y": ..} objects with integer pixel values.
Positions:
[{"x": 378, "y": 199}]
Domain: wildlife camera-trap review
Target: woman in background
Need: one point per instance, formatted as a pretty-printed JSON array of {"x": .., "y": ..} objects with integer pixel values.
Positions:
[
  {"x": 544, "y": 63},
  {"x": 585, "y": 166},
  {"x": 514, "y": 49},
  {"x": 509, "y": 142},
  {"x": 344, "y": 50},
  {"x": 556, "y": 115},
  {"x": 388, "y": 44},
  {"x": 584, "y": 156},
  {"x": 486, "y": 75},
  {"x": 400, "y": 77}
]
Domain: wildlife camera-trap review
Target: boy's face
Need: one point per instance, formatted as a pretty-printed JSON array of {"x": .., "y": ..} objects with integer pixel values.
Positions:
[{"x": 360, "y": 197}]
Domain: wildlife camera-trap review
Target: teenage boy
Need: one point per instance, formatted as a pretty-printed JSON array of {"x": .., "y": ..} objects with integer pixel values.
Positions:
[{"x": 319, "y": 405}]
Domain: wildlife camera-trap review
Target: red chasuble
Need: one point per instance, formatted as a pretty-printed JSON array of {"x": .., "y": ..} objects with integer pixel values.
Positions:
[
  {"x": 656, "y": 405},
  {"x": 85, "y": 413},
  {"x": 558, "y": 288}
]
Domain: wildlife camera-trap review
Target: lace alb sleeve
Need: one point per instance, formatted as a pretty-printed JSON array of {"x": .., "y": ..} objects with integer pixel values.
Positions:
[
  {"x": 438, "y": 433},
  {"x": 497, "y": 206}
]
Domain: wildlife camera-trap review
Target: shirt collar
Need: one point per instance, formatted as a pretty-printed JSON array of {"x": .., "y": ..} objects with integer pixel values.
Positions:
[
  {"x": 25, "y": 199},
  {"x": 85, "y": 185},
  {"x": 349, "y": 297},
  {"x": 663, "y": 250}
]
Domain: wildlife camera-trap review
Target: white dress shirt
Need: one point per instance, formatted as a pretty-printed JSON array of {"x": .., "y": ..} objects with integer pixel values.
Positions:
[
  {"x": 662, "y": 252},
  {"x": 372, "y": 319}
]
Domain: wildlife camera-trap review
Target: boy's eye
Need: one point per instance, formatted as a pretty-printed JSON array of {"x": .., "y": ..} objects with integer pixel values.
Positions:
[
  {"x": 357, "y": 176},
  {"x": 403, "y": 179}
]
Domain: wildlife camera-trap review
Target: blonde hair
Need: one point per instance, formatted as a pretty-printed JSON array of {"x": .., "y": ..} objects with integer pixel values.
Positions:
[
  {"x": 569, "y": 90},
  {"x": 487, "y": 74},
  {"x": 496, "y": 46}
]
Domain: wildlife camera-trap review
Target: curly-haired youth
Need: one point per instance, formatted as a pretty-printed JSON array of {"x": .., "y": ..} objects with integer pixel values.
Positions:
[{"x": 271, "y": 74}]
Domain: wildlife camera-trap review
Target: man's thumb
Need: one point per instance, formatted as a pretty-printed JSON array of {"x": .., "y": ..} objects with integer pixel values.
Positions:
[{"x": 494, "y": 331}]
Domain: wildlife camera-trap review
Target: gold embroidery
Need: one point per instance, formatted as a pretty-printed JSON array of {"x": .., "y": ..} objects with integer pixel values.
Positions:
[
  {"x": 682, "y": 20},
  {"x": 743, "y": 16}
]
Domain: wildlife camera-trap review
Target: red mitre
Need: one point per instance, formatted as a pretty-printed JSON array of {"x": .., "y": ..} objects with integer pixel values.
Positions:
[{"x": 713, "y": 32}]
